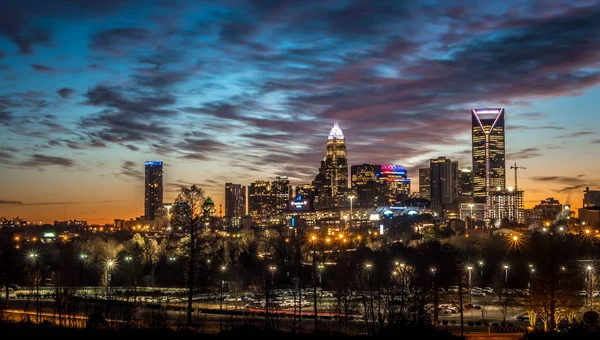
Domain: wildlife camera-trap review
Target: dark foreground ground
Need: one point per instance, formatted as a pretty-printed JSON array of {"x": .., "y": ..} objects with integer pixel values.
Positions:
[{"x": 28, "y": 330}]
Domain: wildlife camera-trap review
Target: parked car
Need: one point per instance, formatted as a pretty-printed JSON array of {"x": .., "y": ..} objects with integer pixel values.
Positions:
[
  {"x": 522, "y": 317},
  {"x": 472, "y": 306}
]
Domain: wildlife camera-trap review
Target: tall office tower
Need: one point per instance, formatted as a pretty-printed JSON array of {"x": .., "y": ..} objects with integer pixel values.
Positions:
[
  {"x": 153, "y": 189},
  {"x": 425, "y": 183},
  {"x": 465, "y": 185},
  {"x": 489, "y": 164},
  {"x": 261, "y": 202},
  {"x": 282, "y": 190},
  {"x": 235, "y": 203},
  {"x": 333, "y": 170},
  {"x": 444, "y": 183}
]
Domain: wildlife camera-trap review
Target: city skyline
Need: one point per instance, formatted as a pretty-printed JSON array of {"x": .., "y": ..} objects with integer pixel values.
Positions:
[{"x": 237, "y": 92}]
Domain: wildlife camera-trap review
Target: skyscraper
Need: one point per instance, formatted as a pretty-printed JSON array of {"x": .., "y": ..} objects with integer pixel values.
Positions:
[
  {"x": 282, "y": 190},
  {"x": 153, "y": 189},
  {"x": 334, "y": 169},
  {"x": 444, "y": 183},
  {"x": 235, "y": 203},
  {"x": 261, "y": 202},
  {"x": 425, "y": 183},
  {"x": 465, "y": 185},
  {"x": 489, "y": 164}
]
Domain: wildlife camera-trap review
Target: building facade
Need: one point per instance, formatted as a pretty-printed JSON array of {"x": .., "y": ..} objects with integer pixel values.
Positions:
[
  {"x": 332, "y": 182},
  {"x": 425, "y": 183},
  {"x": 489, "y": 163},
  {"x": 261, "y": 202},
  {"x": 235, "y": 203},
  {"x": 282, "y": 190},
  {"x": 505, "y": 204},
  {"x": 444, "y": 184},
  {"x": 153, "y": 189},
  {"x": 465, "y": 185}
]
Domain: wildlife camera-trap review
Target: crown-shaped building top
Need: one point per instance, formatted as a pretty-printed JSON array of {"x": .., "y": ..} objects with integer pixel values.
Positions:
[{"x": 336, "y": 132}]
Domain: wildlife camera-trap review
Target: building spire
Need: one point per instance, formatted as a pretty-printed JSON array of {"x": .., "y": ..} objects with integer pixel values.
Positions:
[{"x": 336, "y": 132}]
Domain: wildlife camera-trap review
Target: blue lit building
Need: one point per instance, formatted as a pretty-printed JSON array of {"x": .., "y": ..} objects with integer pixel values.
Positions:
[{"x": 153, "y": 189}]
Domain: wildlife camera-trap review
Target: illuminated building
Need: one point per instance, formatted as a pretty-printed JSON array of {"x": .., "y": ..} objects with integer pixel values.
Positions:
[
  {"x": 282, "y": 190},
  {"x": 306, "y": 190},
  {"x": 332, "y": 182},
  {"x": 444, "y": 184},
  {"x": 235, "y": 203},
  {"x": 362, "y": 174},
  {"x": 369, "y": 190},
  {"x": 465, "y": 185},
  {"x": 425, "y": 183},
  {"x": 489, "y": 166},
  {"x": 208, "y": 208},
  {"x": 547, "y": 211},
  {"x": 261, "y": 202},
  {"x": 505, "y": 204},
  {"x": 590, "y": 212},
  {"x": 384, "y": 184},
  {"x": 153, "y": 189},
  {"x": 591, "y": 198},
  {"x": 397, "y": 181}
]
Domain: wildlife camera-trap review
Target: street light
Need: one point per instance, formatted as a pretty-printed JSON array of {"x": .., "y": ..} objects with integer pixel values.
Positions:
[
  {"x": 480, "y": 263},
  {"x": 469, "y": 268},
  {"x": 531, "y": 271},
  {"x": 223, "y": 269},
  {"x": 272, "y": 269},
  {"x": 351, "y": 197},
  {"x": 33, "y": 256},
  {"x": 471, "y": 205},
  {"x": 109, "y": 264},
  {"x": 590, "y": 271},
  {"x": 368, "y": 267},
  {"x": 506, "y": 273}
]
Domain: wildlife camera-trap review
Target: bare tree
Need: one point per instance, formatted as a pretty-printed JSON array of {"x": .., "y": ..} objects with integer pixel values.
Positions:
[
  {"x": 188, "y": 215},
  {"x": 150, "y": 251}
]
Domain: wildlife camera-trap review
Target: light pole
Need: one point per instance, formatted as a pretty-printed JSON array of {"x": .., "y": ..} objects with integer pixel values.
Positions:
[
  {"x": 108, "y": 267},
  {"x": 33, "y": 256},
  {"x": 469, "y": 269},
  {"x": 351, "y": 197},
  {"x": 480, "y": 263},
  {"x": 506, "y": 273},
  {"x": 223, "y": 269},
  {"x": 83, "y": 258},
  {"x": 368, "y": 267},
  {"x": 590, "y": 271},
  {"x": 531, "y": 271},
  {"x": 471, "y": 205},
  {"x": 272, "y": 269}
]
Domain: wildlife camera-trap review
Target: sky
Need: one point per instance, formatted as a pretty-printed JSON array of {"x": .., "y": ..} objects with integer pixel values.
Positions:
[{"x": 244, "y": 90}]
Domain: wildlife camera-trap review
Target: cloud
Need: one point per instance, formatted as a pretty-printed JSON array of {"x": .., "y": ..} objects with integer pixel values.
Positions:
[
  {"x": 127, "y": 117},
  {"x": 595, "y": 141},
  {"x": 118, "y": 40},
  {"x": 10, "y": 202},
  {"x": 65, "y": 92},
  {"x": 525, "y": 154},
  {"x": 42, "y": 161},
  {"x": 578, "y": 134},
  {"x": 130, "y": 170},
  {"x": 559, "y": 179},
  {"x": 42, "y": 68}
]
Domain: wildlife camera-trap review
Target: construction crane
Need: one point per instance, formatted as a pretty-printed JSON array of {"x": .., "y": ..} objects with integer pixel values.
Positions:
[{"x": 516, "y": 169}]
